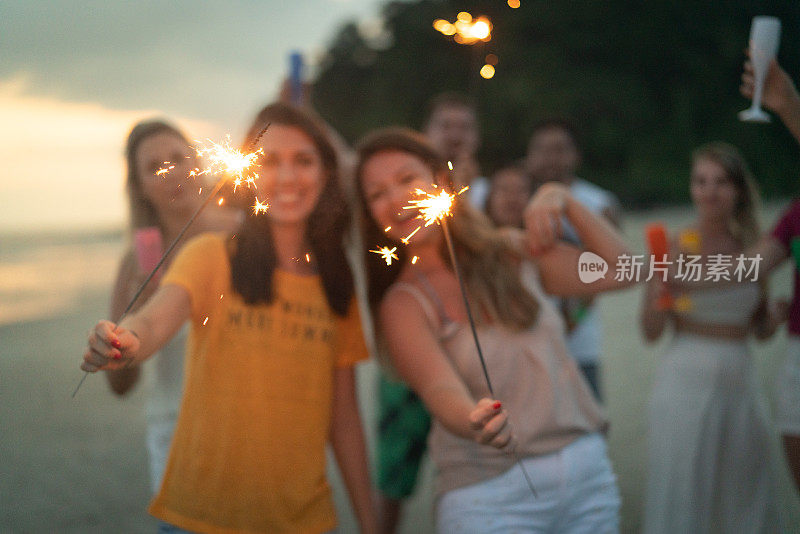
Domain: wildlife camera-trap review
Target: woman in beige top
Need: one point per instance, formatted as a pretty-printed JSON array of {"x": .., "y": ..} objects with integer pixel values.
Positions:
[{"x": 544, "y": 414}]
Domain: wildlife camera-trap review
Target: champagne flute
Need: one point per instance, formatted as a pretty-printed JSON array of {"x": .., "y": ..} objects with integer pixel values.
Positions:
[{"x": 765, "y": 33}]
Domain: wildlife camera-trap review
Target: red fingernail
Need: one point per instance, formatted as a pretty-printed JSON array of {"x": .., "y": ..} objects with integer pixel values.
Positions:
[
  {"x": 115, "y": 343},
  {"x": 497, "y": 405},
  {"x": 116, "y": 356}
]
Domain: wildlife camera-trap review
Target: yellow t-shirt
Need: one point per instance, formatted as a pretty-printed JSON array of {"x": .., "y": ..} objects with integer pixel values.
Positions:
[{"x": 248, "y": 453}]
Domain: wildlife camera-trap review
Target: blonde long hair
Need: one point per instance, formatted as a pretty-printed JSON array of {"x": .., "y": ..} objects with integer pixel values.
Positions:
[
  {"x": 143, "y": 212},
  {"x": 488, "y": 260},
  {"x": 744, "y": 224}
]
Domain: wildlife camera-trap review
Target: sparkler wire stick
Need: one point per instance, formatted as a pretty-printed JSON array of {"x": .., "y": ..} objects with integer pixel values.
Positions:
[
  {"x": 164, "y": 256},
  {"x": 461, "y": 285},
  {"x": 452, "y": 252}
]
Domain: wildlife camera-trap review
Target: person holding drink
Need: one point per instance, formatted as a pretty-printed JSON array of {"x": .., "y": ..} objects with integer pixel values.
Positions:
[{"x": 781, "y": 96}]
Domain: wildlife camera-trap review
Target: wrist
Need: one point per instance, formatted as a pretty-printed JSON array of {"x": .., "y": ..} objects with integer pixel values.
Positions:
[
  {"x": 570, "y": 205},
  {"x": 789, "y": 103}
]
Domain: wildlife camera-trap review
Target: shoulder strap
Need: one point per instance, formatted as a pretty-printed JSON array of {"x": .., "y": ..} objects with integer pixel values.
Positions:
[
  {"x": 421, "y": 299},
  {"x": 431, "y": 293}
]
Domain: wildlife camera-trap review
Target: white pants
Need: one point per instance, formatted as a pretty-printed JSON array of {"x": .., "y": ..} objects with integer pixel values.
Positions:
[
  {"x": 576, "y": 493},
  {"x": 787, "y": 418}
]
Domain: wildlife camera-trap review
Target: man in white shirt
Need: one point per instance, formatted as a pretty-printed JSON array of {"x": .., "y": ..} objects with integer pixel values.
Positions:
[
  {"x": 452, "y": 128},
  {"x": 553, "y": 156}
]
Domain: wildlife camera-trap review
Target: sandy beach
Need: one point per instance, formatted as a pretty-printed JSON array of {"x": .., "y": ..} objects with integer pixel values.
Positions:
[{"x": 79, "y": 465}]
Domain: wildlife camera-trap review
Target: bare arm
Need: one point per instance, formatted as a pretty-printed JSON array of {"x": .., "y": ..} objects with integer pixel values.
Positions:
[
  {"x": 112, "y": 346},
  {"x": 422, "y": 364},
  {"x": 347, "y": 439},
  {"x": 558, "y": 262}
]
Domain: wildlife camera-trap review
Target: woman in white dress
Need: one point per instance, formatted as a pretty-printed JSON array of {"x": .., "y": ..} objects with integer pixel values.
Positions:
[
  {"x": 160, "y": 206},
  {"x": 709, "y": 443}
]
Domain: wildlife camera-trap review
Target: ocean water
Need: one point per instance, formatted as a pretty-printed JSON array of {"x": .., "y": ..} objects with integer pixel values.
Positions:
[{"x": 42, "y": 275}]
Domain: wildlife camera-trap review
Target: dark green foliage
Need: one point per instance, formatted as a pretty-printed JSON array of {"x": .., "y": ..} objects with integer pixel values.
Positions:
[{"x": 645, "y": 83}]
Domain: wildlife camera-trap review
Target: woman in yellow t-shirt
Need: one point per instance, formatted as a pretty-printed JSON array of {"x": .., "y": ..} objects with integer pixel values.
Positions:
[{"x": 275, "y": 333}]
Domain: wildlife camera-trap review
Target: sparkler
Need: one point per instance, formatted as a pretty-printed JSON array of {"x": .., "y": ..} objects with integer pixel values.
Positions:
[
  {"x": 437, "y": 208},
  {"x": 222, "y": 159}
]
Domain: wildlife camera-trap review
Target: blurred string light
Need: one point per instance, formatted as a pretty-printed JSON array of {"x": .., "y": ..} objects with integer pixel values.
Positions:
[
  {"x": 513, "y": 4},
  {"x": 487, "y": 71},
  {"x": 465, "y": 30}
]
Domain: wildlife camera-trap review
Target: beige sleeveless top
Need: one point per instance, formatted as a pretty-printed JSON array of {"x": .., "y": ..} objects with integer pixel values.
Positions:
[{"x": 547, "y": 400}]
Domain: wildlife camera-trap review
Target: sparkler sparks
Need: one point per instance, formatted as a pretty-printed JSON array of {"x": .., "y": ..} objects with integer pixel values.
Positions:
[
  {"x": 260, "y": 207},
  {"x": 432, "y": 207},
  {"x": 387, "y": 253},
  {"x": 165, "y": 170},
  {"x": 223, "y": 158}
]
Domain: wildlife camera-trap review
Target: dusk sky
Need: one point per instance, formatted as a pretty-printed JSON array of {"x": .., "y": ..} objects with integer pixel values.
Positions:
[{"x": 76, "y": 75}]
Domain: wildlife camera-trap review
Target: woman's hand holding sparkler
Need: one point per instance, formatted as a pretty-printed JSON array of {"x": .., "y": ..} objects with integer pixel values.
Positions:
[
  {"x": 109, "y": 347},
  {"x": 489, "y": 423},
  {"x": 131, "y": 341}
]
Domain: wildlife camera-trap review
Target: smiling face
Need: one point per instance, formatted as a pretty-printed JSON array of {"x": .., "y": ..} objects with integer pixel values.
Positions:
[
  {"x": 713, "y": 193},
  {"x": 388, "y": 180},
  {"x": 170, "y": 190},
  {"x": 291, "y": 174}
]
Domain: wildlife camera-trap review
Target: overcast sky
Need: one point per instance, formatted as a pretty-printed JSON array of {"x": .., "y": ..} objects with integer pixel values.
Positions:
[{"x": 75, "y": 75}]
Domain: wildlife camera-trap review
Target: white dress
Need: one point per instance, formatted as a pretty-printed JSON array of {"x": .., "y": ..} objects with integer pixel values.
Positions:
[
  {"x": 710, "y": 458},
  {"x": 163, "y": 375}
]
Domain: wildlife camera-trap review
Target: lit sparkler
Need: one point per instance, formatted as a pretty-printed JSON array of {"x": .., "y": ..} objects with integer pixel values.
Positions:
[
  {"x": 222, "y": 159},
  {"x": 432, "y": 207},
  {"x": 437, "y": 208}
]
